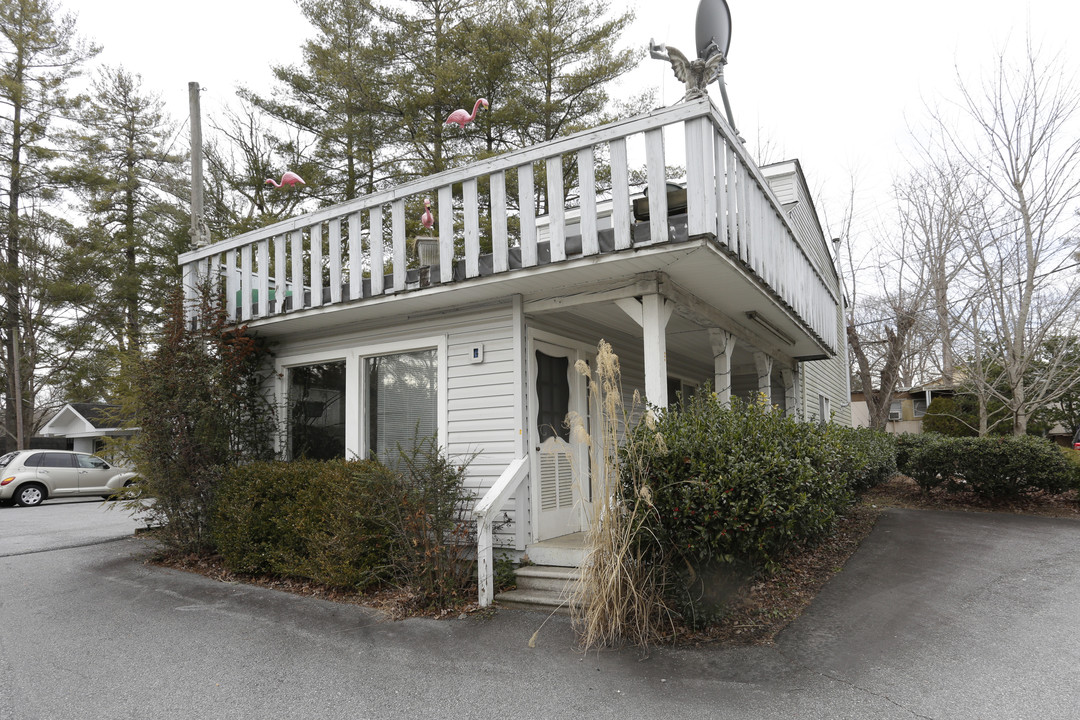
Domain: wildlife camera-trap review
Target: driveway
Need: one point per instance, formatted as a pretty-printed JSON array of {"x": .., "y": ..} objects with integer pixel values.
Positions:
[
  {"x": 939, "y": 615},
  {"x": 63, "y": 523}
]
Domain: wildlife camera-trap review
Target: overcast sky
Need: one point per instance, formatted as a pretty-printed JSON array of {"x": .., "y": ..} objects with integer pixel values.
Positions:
[{"x": 836, "y": 83}]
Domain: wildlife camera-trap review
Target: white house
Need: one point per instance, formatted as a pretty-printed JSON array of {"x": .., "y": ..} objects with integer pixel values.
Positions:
[
  {"x": 85, "y": 426},
  {"x": 725, "y": 278}
]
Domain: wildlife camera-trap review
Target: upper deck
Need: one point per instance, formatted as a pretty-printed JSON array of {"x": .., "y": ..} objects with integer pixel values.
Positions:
[{"x": 322, "y": 269}]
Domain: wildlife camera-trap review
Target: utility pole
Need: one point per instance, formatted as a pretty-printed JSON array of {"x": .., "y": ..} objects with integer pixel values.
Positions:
[{"x": 200, "y": 235}]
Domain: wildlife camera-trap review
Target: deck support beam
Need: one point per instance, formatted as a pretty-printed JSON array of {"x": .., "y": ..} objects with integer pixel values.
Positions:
[
  {"x": 764, "y": 363},
  {"x": 723, "y": 345},
  {"x": 791, "y": 379},
  {"x": 652, "y": 313}
]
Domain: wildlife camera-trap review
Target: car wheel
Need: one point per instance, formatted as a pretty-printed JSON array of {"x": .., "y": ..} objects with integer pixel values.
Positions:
[{"x": 30, "y": 495}]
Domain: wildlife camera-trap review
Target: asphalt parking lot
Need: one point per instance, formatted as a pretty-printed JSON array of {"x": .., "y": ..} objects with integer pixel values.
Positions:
[{"x": 939, "y": 615}]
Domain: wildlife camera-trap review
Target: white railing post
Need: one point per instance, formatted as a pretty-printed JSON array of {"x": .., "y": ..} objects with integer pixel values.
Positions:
[
  {"x": 470, "y": 200},
  {"x": 590, "y": 243},
  {"x": 556, "y": 211},
  {"x": 281, "y": 282},
  {"x": 658, "y": 207},
  {"x": 446, "y": 234},
  {"x": 700, "y": 182},
  {"x": 375, "y": 250},
  {"x": 620, "y": 194},
  {"x": 499, "y": 249},
  {"x": 397, "y": 235},
  {"x": 335, "y": 261},
  {"x": 527, "y": 215},
  {"x": 485, "y": 512}
]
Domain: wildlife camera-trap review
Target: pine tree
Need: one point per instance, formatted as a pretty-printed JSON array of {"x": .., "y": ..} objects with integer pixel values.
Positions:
[
  {"x": 39, "y": 56},
  {"x": 334, "y": 98},
  {"x": 134, "y": 195}
]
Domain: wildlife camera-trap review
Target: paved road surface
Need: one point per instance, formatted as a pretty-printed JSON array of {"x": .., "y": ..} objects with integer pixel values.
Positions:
[
  {"x": 64, "y": 523},
  {"x": 939, "y": 615}
]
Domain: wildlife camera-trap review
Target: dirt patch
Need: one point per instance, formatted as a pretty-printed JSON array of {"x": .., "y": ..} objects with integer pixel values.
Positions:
[{"x": 901, "y": 491}]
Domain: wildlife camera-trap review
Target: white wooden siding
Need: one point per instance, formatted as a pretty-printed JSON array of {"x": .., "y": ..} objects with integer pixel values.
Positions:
[{"x": 829, "y": 378}]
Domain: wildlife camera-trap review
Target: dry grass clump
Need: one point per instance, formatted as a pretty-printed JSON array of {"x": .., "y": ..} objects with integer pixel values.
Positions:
[{"x": 620, "y": 598}]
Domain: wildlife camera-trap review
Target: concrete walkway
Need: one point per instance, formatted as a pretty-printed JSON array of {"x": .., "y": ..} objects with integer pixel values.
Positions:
[{"x": 939, "y": 615}]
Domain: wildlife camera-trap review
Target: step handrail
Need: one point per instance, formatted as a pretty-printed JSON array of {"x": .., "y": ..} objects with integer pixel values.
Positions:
[{"x": 485, "y": 512}]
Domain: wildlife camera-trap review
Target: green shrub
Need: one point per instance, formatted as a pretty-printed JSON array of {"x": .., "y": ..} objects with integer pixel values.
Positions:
[
  {"x": 352, "y": 524},
  {"x": 871, "y": 455},
  {"x": 304, "y": 519},
  {"x": 731, "y": 491},
  {"x": 929, "y": 459},
  {"x": 993, "y": 468}
]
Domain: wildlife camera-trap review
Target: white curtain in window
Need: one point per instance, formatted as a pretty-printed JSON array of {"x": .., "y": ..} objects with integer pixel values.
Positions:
[{"x": 402, "y": 403}]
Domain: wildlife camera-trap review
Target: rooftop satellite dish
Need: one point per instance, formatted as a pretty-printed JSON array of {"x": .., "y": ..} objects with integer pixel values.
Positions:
[
  {"x": 713, "y": 35},
  {"x": 712, "y": 27}
]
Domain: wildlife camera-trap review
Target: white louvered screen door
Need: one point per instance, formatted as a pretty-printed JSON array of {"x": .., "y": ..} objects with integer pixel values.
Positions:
[
  {"x": 556, "y": 476},
  {"x": 555, "y": 390}
]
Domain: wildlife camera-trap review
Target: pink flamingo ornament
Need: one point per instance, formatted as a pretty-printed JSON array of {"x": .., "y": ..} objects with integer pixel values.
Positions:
[
  {"x": 463, "y": 118},
  {"x": 427, "y": 219},
  {"x": 289, "y": 178}
]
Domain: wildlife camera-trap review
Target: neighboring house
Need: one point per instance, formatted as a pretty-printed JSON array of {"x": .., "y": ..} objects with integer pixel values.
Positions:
[
  {"x": 726, "y": 279},
  {"x": 906, "y": 410},
  {"x": 85, "y": 426}
]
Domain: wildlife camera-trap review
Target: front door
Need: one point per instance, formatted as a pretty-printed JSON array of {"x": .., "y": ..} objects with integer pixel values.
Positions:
[{"x": 559, "y": 464}]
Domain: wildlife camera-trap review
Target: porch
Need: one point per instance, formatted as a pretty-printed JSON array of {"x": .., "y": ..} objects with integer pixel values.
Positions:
[{"x": 724, "y": 238}]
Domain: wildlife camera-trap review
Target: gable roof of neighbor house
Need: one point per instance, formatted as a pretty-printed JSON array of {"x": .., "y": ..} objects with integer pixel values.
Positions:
[{"x": 83, "y": 419}]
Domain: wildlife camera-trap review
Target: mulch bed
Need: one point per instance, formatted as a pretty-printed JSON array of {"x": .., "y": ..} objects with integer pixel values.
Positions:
[
  {"x": 901, "y": 491},
  {"x": 759, "y": 610},
  {"x": 396, "y": 604}
]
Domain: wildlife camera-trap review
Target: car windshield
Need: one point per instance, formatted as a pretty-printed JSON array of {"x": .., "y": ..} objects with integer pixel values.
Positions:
[{"x": 5, "y": 459}]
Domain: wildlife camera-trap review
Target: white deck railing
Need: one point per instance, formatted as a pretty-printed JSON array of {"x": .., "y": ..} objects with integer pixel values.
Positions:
[{"x": 329, "y": 257}]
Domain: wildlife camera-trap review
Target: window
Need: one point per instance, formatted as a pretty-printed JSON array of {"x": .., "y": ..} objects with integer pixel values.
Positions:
[
  {"x": 678, "y": 392},
  {"x": 34, "y": 460},
  {"x": 553, "y": 396},
  {"x": 824, "y": 409},
  {"x": 402, "y": 402},
  {"x": 57, "y": 460},
  {"x": 920, "y": 408},
  {"x": 91, "y": 462},
  {"x": 317, "y": 411},
  {"x": 894, "y": 410}
]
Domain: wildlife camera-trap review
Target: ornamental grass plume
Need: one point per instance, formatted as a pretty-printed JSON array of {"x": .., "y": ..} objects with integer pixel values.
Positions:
[{"x": 620, "y": 597}]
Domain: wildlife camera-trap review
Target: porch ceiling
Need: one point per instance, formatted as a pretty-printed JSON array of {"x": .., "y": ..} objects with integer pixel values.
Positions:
[{"x": 710, "y": 288}]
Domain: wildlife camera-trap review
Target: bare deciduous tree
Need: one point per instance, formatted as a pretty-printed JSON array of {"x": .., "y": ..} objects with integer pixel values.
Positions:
[
  {"x": 1015, "y": 135},
  {"x": 881, "y": 328}
]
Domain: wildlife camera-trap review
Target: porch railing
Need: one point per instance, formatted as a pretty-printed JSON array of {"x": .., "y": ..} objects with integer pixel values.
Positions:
[
  {"x": 359, "y": 250},
  {"x": 484, "y": 512}
]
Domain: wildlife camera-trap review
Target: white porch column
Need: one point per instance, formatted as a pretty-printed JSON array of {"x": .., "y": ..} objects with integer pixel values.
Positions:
[
  {"x": 790, "y": 378},
  {"x": 652, "y": 313},
  {"x": 723, "y": 345},
  {"x": 764, "y": 375}
]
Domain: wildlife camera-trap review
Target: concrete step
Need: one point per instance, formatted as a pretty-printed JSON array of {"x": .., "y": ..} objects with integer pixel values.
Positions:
[
  {"x": 565, "y": 551},
  {"x": 534, "y": 600},
  {"x": 547, "y": 578},
  {"x": 541, "y": 587}
]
